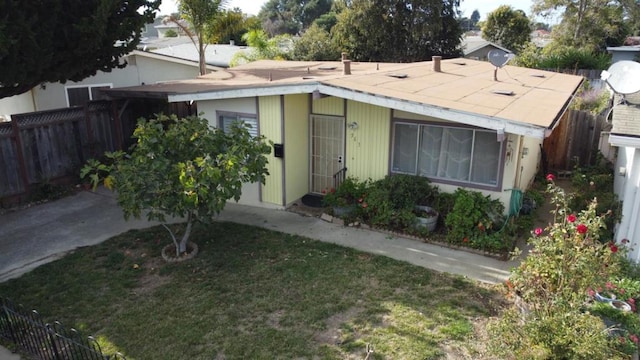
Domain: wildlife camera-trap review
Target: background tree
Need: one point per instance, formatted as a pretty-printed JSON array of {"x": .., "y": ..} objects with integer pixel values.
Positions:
[
  {"x": 232, "y": 24},
  {"x": 52, "y": 40},
  {"x": 182, "y": 168},
  {"x": 315, "y": 44},
  {"x": 507, "y": 27},
  {"x": 475, "y": 18},
  {"x": 591, "y": 24},
  {"x": 262, "y": 47},
  {"x": 399, "y": 31},
  {"x": 291, "y": 16},
  {"x": 202, "y": 16}
]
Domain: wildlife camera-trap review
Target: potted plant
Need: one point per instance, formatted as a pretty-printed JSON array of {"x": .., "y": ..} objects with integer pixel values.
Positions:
[
  {"x": 426, "y": 217},
  {"x": 344, "y": 199}
]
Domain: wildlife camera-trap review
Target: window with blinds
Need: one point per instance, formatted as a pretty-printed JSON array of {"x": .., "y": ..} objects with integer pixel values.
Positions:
[{"x": 225, "y": 120}]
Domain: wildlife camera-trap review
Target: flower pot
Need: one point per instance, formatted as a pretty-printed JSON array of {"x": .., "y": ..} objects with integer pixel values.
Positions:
[{"x": 427, "y": 217}]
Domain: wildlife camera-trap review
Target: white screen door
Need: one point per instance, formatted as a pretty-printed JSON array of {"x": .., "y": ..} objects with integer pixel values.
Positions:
[{"x": 327, "y": 150}]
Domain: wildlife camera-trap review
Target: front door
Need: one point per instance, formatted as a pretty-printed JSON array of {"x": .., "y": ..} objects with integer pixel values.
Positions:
[{"x": 327, "y": 150}]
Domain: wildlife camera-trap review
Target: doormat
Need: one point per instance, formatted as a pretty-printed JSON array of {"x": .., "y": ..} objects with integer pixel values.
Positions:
[{"x": 312, "y": 200}]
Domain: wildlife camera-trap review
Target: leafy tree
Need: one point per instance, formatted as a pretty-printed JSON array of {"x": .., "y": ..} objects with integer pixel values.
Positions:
[
  {"x": 591, "y": 24},
  {"x": 182, "y": 168},
  {"x": 632, "y": 15},
  {"x": 262, "y": 47},
  {"x": 508, "y": 27},
  {"x": 475, "y": 18},
  {"x": 315, "y": 44},
  {"x": 231, "y": 25},
  {"x": 291, "y": 16},
  {"x": 400, "y": 31},
  {"x": 53, "y": 40},
  {"x": 202, "y": 16}
]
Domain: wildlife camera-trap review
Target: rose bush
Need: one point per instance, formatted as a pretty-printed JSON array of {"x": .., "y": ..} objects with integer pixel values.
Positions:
[{"x": 552, "y": 287}]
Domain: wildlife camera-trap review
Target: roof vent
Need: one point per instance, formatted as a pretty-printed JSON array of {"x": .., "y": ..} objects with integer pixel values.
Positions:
[
  {"x": 504, "y": 92},
  {"x": 538, "y": 75},
  {"x": 326, "y": 68},
  {"x": 346, "y": 70},
  {"x": 398, "y": 76},
  {"x": 436, "y": 63}
]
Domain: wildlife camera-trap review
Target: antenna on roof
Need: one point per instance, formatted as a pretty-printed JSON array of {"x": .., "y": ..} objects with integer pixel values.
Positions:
[
  {"x": 499, "y": 58},
  {"x": 623, "y": 77}
]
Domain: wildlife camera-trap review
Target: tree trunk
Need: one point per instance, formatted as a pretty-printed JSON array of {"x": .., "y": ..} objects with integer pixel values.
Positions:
[
  {"x": 185, "y": 237},
  {"x": 202, "y": 59}
]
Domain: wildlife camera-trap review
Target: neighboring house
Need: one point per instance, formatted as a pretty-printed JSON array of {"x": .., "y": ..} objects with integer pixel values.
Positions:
[
  {"x": 219, "y": 55},
  {"x": 16, "y": 104},
  {"x": 625, "y": 135},
  {"x": 165, "y": 26},
  {"x": 447, "y": 120},
  {"x": 477, "y": 48},
  {"x": 142, "y": 68}
]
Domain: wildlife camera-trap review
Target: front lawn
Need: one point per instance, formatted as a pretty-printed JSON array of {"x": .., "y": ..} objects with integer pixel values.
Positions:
[{"x": 257, "y": 294}]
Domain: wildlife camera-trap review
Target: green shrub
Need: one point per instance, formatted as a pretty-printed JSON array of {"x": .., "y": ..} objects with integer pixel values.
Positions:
[
  {"x": 170, "y": 33},
  {"x": 567, "y": 261},
  {"x": 349, "y": 192},
  {"x": 475, "y": 220}
]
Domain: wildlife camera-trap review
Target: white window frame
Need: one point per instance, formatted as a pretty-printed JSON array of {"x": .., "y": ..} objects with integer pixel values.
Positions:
[
  {"x": 444, "y": 180},
  {"x": 255, "y": 128},
  {"x": 88, "y": 87}
]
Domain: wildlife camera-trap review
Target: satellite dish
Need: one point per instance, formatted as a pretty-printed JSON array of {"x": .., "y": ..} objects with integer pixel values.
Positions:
[
  {"x": 499, "y": 58},
  {"x": 623, "y": 77}
]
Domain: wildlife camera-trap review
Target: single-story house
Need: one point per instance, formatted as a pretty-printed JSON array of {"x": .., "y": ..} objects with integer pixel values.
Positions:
[
  {"x": 477, "y": 48},
  {"x": 447, "y": 120},
  {"x": 143, "y": 67}
]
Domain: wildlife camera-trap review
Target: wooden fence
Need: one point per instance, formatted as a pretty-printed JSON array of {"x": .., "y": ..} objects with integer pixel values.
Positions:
[
  {"x": 575, "y": 141},
  {"x": 52, "y": 145}
]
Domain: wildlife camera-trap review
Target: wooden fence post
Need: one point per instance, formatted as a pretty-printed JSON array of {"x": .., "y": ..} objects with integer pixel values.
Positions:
[{"x": 21, "y": 160}]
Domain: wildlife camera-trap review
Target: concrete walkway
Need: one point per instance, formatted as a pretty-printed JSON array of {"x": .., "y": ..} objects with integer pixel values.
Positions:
[{"x": 39, "y": 234}]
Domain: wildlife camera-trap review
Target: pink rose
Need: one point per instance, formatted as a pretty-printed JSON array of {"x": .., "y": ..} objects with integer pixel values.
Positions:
[
  {"x": 550, "y": 177},
  {"x": 537, "y": 231}
]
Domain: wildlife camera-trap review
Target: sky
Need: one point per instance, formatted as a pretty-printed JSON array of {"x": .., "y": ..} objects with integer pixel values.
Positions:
[{"x": 467, "y": 7}]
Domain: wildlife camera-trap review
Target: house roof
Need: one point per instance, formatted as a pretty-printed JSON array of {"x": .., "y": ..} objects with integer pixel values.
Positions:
[
  {"x": 215, "y": 54},
  {"x": 172, "y": 59},
  {"x": 523, "y": 101},
  {"x": 471, "y": 44}
]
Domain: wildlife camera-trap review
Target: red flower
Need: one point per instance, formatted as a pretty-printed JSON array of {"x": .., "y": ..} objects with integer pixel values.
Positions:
[
  {"x": 465, "y": 240},
  {"x": 591, "y": 292},
  {"x": 333, "y": 191},
  {"x": 614, "y": 249},
  {"x": 571, "y": 218},
  {"x": 581, "y": 228},
  {"x": 550, "y": 177},
  {"x": 324, "y": 191},
  {"x": 609, "y": 286},
  {"x": 360, "y": 200},
  {"x": 634, "y": 338},
  {"x": 364, "y": 205},
  {"x": 537, "y": 231}
]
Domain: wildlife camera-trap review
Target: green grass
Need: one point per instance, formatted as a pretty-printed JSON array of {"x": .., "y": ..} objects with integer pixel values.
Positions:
[{"x": 254, "y": 294}]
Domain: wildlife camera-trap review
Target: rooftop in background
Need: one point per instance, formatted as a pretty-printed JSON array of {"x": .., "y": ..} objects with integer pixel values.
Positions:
[{"x": 215, "y": 54}]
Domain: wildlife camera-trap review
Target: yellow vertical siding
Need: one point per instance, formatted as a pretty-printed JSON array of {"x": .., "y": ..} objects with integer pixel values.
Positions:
[
  {"x": 368, "y": 144},
  {"x": 296, "y": 146},
  {"x": 328, "y": 106},
  {"x": 270, "y": 112}
]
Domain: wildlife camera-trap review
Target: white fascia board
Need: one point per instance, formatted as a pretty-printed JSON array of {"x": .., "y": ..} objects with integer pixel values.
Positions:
[
  {"x": 246, "y": 92},
  {"x": 624, "y": 141},
  {"x": 461, "y": 117}
]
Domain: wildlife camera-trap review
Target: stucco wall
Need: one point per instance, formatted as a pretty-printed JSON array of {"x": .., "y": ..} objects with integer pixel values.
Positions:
[
  {"x": 145, "y": 71},
  {"x": 629, "y": 228},
  {"x": 17, "y": 104}
]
